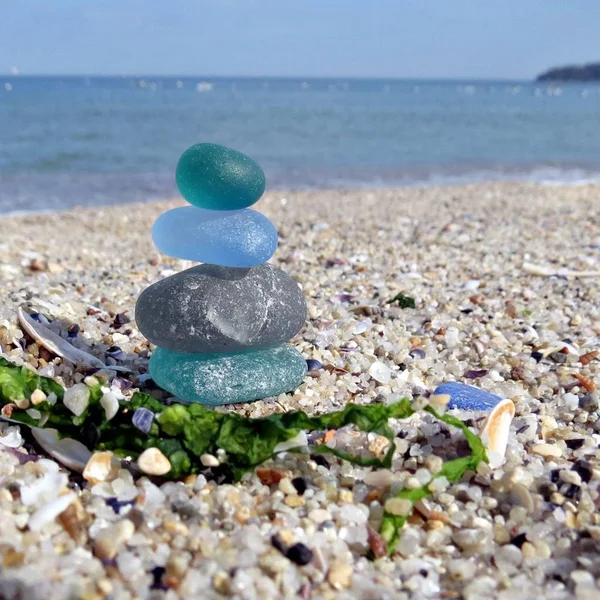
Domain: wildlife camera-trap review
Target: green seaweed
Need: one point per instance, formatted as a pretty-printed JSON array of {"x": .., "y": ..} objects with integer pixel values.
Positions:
[{"x": 184, "y": 432}]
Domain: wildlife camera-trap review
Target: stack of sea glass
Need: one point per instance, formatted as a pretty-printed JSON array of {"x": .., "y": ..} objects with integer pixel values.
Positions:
[{"x": 221, "y": 327}]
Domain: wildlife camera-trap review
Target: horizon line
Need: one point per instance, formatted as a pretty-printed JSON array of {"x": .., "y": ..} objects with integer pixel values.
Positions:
[{"x": 289, "y": 77}]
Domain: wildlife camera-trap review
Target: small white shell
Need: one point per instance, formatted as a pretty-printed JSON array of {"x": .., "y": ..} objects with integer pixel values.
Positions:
[{"x": 495, "y": 432}]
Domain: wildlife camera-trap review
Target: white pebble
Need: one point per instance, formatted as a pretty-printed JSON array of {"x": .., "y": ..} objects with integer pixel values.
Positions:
[
  {"x": 110, "y": 404},
  {"x": 102, "y": 466},
  {"x": 153, "y": 462},
  {"x": 209, "y": 460},
  {"x": 11, "y": 438},
  {"x": 37, "y": 397},
  {"x": 318, "y": 515},
  {"x": 398, "y": 506},
  {"x": 77, "y": 398},
  {"x": 547, "y": 450}
]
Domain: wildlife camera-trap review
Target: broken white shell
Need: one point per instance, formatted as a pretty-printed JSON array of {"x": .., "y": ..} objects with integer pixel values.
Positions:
[
  {"x": 57, "y": 345},
  {"x": 69, "y": 452},
  {"x": 494, "y": 434},
  {"x": 49, "y": 512}
]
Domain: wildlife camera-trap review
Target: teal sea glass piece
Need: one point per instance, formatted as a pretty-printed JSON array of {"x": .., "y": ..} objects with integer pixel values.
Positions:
[
  {"x": 221, "y": 309},
  {"x": 230, "y": 238},
  {"x": 217, "y": 379},
  {"x": 218, "y": 178}
]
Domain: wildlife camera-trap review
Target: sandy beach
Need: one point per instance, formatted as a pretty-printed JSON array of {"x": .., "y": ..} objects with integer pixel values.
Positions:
[{"x": 495, "y": 272}]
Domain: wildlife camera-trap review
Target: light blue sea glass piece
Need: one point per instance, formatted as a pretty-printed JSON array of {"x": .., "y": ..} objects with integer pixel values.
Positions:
[
  {"x": 218, "y": 178},
  {"x": 467, "y": 397},
  {"x": 230, "y": 238},
  {"x": 217, "y": 379}
]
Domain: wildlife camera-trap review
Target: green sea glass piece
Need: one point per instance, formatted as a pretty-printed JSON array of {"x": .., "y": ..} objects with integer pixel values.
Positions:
[
  {"x": 218, "y": 178},
  {"x": 217, "y": 379}
]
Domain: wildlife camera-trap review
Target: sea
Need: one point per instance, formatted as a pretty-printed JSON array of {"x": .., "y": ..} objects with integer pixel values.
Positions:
[{"x": 83, "y": 141}]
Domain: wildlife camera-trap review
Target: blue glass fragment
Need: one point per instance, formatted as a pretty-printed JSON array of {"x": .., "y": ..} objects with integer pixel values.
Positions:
[{"x": 467, "y": 397}]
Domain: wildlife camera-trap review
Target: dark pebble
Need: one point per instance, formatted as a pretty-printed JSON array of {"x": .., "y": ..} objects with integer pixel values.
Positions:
[
  {"x": 121, "y": 319},
  {"x": 584, "y": 468},
  {"x": 573, "y": 492},
  {"x": 575, "y": 443},
  {"x": 589, "y": 402},
  {"x": 184, "y": 508},
  {"x": 475, "y": 373},
  {"x": 117, "y": 505},
  {"x": 320, "y": 460},
  {"x": 519, "y": 540},
  {"x": 558, "y": 357},
  {"x": 547, "y": 489},
  {"x": 522, "y": 429},
  {"x": 220, "y": 475},
  {"x": 537, "y": 356},
  {"x": 314, "y": 365},
  {"x": 116, "y": 353},
  {"x": 466, "y": 311},
  {"x": 555, "y": 475},
  {"x": 417, "y": 353},
  {"x": 300, "y": 554},
  {"x": 73, "y": 331},
  {"x": 300, "y": 484},
  {"x": 278, "y": 544},
  {"x": 157, "y": 574}
]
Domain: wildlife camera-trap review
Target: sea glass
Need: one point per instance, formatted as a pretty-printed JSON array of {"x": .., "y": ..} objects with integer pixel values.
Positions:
[
  {"x": 236, "y": 238},
  {"x": 221, "y": 309},
  {"x": 467, "y": 397},
  {"x": 218, "y": 178},
  {"x": 217, "y": 379}
]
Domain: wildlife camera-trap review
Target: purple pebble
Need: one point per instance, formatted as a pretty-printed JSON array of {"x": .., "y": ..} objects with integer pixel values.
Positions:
[{"x": 142, "y": 419}]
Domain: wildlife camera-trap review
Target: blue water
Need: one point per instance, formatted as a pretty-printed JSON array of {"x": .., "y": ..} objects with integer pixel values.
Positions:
[{"x": 67, "y": 141}]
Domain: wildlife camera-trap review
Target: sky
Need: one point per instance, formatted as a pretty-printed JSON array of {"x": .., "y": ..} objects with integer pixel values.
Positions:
[{"x": 490, "y": 39}]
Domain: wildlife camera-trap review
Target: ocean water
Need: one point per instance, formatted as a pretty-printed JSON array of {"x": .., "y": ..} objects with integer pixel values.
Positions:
[{"x": 67, "y": 141}]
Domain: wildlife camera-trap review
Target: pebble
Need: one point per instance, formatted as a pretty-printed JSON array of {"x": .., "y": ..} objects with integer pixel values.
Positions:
[
  {"x": 398, "y": 506},
  {"x": 214, "y": 309},
  {"x": 208, "y": 460},
  {"x": 340, "y": 576},
  {"x": 467, "y": 397},
  {"x": 153, "y": 462},
  {"x": 77, "y": 398},
  {"x": 142, "y": 419},
  {"x": 547, "y": 450},
  {"x": 235, "y": 377},
  {"x": 110, "y": 404},
  {"x": 461, "y": 569},
  {"x": 239, "y": 238},
  {"x": 299, "y": 554},
  {"x": 286, "y": 486},
  {"x": 218, "y": 178},
  {"x": 37, "y": 397},
  {"x": 319, "y": 515},
  {"x": 109, "y": 541},
  {"x": 102, "y": 466}
]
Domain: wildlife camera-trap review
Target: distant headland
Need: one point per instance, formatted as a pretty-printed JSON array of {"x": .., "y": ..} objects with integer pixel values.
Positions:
[{"x": 589, "y": 72}]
